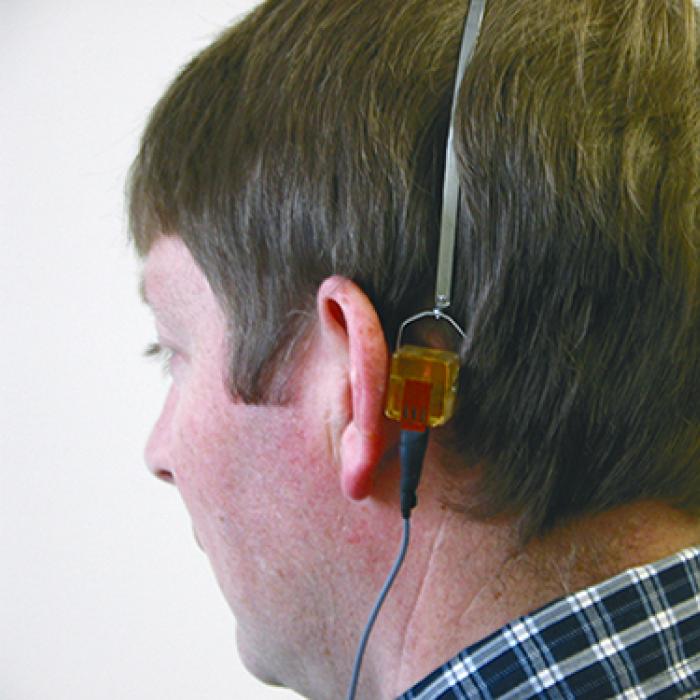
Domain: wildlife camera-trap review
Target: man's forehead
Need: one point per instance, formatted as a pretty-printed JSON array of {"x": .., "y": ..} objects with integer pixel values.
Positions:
[{"x": 170, "y": 277}]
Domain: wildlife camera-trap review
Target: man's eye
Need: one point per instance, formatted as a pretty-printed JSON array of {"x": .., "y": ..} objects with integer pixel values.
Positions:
[{"x": 163, "y": 355}]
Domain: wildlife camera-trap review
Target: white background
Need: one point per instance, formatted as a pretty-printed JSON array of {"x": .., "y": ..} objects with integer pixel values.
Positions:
[{"x": 103, "y": 594}]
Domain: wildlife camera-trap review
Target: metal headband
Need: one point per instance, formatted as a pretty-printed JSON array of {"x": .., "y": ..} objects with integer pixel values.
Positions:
[{"x": 450, "y": 193}]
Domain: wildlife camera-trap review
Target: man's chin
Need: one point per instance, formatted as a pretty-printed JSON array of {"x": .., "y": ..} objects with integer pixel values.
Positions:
[{"x": 255, "y": 661}]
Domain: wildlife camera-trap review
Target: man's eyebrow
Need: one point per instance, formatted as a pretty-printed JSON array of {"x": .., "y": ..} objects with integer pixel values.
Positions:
[
  {"x": 157, "y": 305},
  {"x": 142, "y": 291}
]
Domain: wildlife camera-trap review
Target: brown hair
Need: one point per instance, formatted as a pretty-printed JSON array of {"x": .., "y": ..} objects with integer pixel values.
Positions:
[{"x": 309, "y": 139}]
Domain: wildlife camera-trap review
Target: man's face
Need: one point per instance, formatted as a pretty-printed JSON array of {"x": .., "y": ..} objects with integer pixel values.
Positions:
[{"x": 255, "y": 479}]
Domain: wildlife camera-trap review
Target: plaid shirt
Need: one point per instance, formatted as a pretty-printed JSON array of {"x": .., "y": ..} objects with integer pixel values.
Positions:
[{"x": 634, "y": 636}]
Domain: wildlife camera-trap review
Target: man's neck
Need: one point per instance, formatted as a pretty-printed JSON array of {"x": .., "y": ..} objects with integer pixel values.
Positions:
[{"x": 472, "y": 578}]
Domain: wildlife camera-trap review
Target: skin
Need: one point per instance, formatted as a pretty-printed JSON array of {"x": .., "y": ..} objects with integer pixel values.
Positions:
[
  {"x": 264, "y": 486},
  {"x": 296, "y": 506}
]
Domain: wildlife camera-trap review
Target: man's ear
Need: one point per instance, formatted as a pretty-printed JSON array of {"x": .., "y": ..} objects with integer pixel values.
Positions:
[{"x": 349, "y": 323}]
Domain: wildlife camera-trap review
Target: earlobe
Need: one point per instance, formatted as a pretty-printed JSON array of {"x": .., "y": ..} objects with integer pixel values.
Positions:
[
  {"x": 359, "y": 456},
  {"x": 347, "y": 317}
]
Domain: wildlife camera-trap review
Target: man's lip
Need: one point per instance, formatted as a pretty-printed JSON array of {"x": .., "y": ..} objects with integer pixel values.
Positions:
[{"x": 196, "y": 538}]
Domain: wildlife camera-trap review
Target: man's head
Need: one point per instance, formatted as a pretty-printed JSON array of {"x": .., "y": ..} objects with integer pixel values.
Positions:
[
  {"x": 308, "y": 141},
  {"x": 298, "y": 162}
]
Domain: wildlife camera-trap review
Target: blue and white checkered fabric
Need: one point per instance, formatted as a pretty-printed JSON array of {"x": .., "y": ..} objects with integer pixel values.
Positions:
[{"x": 634, "y": 636}]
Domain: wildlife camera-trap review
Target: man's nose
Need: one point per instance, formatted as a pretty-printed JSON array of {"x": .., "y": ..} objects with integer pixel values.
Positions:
[{"x": 155, "y": 454}]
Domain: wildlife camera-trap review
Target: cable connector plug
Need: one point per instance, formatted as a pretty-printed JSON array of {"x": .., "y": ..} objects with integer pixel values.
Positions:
[{"x": 412, "y": 446}]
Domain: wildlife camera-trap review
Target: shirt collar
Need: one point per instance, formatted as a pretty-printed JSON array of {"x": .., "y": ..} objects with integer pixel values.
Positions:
[{"x": 633, "y": 636}]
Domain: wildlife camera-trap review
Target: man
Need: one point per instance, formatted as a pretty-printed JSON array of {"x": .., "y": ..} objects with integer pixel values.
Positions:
[{"x": 286, "y": 199}]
